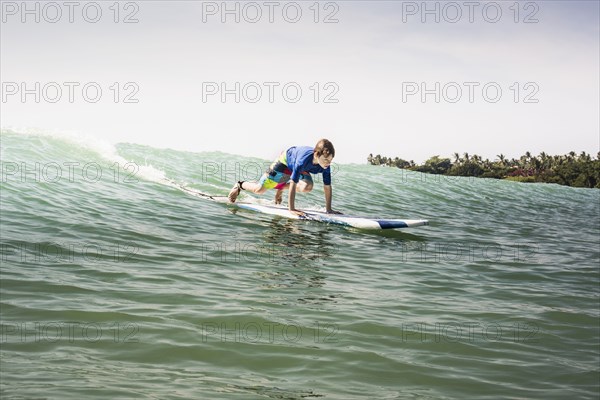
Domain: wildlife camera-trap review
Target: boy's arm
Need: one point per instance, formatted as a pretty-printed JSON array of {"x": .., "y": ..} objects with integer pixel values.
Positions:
[
  {"x": 292, "y": 196},
  {"x": 327, "y": 190},
  {"x": 292, "y": 191}
]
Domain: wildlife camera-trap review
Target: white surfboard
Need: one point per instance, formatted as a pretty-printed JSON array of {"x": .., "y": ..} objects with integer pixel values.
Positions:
[
  {"x": 339, "y": 219},
  {"x": 311, "y": 215}
]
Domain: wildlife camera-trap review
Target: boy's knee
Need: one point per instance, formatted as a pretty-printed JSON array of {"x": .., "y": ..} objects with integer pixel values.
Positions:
[{"x": 308, "y": 187}]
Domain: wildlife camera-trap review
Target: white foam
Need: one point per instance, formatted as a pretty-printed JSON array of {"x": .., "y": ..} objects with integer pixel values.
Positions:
[{"x": 104, "y": 149}]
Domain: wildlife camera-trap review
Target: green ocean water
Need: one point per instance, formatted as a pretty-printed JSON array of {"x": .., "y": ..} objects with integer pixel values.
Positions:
[{"x": 115, "y": 284}]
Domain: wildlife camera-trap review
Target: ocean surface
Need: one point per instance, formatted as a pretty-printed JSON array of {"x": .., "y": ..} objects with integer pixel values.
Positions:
[{"x": 117, "y": 284}]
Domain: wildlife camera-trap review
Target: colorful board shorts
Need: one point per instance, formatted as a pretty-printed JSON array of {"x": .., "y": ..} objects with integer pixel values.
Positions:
[{"x": 278, "y": 174}]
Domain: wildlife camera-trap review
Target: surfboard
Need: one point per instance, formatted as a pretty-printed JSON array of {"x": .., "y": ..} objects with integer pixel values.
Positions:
[
  {"x": 338, "y": 219},
  {"x": 310, "y": 215}
]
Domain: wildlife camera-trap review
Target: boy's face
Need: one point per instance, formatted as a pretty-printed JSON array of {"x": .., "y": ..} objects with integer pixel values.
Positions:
[{"x": 325, "y": 160}]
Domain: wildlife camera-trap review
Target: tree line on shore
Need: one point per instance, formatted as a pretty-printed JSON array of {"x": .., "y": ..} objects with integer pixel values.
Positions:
[{"x": 577, "y": 170}]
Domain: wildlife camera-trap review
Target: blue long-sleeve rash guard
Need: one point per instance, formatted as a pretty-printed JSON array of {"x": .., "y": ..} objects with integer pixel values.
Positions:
[{"x": 300, "y": 159}]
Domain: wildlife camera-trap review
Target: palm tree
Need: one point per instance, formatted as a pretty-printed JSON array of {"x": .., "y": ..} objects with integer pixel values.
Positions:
[
  {"x": 544, "y": 160},
  {"x": 584, "y": 156}
]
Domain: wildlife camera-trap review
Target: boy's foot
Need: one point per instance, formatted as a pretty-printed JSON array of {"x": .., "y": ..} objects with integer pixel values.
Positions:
[
  {"x": 278, "y": 196},
  {"x": 235, "y": 192}
]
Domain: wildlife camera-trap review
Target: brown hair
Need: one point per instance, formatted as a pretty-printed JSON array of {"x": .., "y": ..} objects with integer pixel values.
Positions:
[{"x": 325, "y": 147}]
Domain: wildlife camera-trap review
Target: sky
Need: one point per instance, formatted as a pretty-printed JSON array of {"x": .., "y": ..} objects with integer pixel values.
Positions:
[{"x": 397, "y": 78}]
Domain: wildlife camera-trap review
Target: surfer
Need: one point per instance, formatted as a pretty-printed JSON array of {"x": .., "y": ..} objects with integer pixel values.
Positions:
[{"x": 291, "y": 170}]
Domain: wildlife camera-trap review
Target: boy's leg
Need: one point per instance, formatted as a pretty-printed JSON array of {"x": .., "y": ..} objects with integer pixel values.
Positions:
[
  {"x": 276, "y": 177},
  {"x": 254, "y": 187},
  {"x": 305, "y": 184},
  {"x": 278, "y": 196}
]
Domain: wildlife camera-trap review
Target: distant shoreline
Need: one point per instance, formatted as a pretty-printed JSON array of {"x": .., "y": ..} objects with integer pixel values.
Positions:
[{"x": 568, "y": 170}]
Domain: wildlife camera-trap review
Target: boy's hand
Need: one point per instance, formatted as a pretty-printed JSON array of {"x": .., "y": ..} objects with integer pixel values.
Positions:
[{"x": 334, "y": 212}]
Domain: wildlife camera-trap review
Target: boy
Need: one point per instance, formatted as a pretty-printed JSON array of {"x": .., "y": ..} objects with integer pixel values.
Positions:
[{"x": 292, "y": 170}]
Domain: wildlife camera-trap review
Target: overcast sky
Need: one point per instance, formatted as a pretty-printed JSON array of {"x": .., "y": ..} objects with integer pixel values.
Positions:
[{"x": 499, "y": 77}]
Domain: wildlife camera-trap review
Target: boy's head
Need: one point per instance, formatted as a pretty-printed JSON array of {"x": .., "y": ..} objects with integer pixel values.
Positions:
[{"x": 324, "y": 152}]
